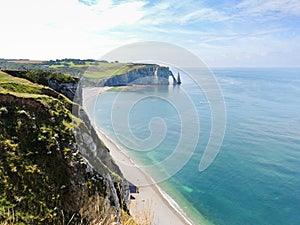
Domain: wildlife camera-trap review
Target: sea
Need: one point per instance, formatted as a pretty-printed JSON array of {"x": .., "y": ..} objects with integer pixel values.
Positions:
[{"x": 254, "y": 178}]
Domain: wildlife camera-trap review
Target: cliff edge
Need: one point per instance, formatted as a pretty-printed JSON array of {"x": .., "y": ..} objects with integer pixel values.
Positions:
[
  {"x": 124, "y": 74},
  {"x": 46, "y": 152},
  {"x": 145, "y": 75}
]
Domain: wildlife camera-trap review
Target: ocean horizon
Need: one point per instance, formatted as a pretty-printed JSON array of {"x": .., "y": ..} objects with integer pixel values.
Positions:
[{"x": 254, "y": 179}]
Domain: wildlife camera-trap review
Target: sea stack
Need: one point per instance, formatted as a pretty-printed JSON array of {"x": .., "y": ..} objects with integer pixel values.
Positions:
[{"x": 178, "y": 79}]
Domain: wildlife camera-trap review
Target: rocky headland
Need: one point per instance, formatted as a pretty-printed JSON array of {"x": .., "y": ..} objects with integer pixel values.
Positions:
[{"x": 146, "y": 75}]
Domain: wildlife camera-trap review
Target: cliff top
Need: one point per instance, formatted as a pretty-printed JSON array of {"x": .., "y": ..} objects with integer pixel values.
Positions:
[
  {"x": 104, "y": 70},
  {"x": 89, "y": 68},
  {"x": 44, "y": 177}
]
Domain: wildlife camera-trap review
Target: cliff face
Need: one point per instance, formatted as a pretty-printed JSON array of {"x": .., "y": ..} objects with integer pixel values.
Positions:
[
  {"x": 147, "y": 75},
  {"x": 66, "y": 88},
  {"x": 53, "y": 167}
]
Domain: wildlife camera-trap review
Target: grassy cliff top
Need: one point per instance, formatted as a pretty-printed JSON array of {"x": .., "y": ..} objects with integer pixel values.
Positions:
[
  {"x": 44, "y": 179},
  {"x": 104, "y": 70},
  {"x": 76, "y": 67},
  {"x": 33, "y": 125},
  {"x": 24, "y": 88}
]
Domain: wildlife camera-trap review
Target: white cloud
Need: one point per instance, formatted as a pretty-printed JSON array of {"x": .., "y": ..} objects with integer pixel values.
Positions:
[
  {"x": 56, "y": 29},
  {"x": 181, "y": 13},
  {"x": 126, "y": 13},
  {"x": 51, "y": 29},
  {"x": 258, "y": 7},
  {"x": 203, "y": 14}
]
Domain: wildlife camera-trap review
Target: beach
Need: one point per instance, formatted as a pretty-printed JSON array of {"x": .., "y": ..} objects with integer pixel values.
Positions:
[{"x": 151, "y": 201}]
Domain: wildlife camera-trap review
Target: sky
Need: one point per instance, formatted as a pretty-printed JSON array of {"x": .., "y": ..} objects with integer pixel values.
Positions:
[{"x": 222, "y": 33}]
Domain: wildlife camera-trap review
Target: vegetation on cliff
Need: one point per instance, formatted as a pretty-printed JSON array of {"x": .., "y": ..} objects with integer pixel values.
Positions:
[
  {"x": 91, "y": 71},
  {"x": 42, "y": 77},
  {"x": 105, "y": 70},
  {"x": 77, "y": 68},
  {"x": 44, "y": 176}
]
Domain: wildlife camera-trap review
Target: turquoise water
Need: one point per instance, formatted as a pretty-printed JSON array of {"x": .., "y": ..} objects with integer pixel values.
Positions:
[{"x": 255, "y": 179}]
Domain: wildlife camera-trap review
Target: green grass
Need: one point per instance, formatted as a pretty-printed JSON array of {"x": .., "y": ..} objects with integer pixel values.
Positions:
[
  {"x": 55, "y": 66},
  {"x": 99, "y": 70},
  {"x": 30, "y": 179},
  {"x": 20, "y": 88},
  {"x": 23, "y": 88},
  {"x": 43, "y": 77},
  {"x": 4, "y": 77},
  {"x": 104, "y": 70},
  {"x": 79, "y": 66},
  {"x": 10, "y": 84},
  {"x": 37, "y": 156},
  {"x": 70, "y": 64}
]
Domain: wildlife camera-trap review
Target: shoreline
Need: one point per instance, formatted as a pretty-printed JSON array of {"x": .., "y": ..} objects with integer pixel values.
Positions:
[{"x": 151, "y": 199}]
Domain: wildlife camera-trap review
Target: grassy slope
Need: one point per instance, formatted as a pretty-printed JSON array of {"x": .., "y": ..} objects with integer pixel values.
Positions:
[
  {"x": 24, "y": 88},
  {"x": 110, "y": 69},
  {"x": 19, "y": 86},
  {"x": 102, "y": 69},
  {"x": 30, "y": 181},
  {"x": 99, "y": 69},
  {"x": 29, "y": 184}
]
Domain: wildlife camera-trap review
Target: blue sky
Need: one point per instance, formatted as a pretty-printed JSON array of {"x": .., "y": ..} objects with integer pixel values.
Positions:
[{"x": 222, "y": 33}]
